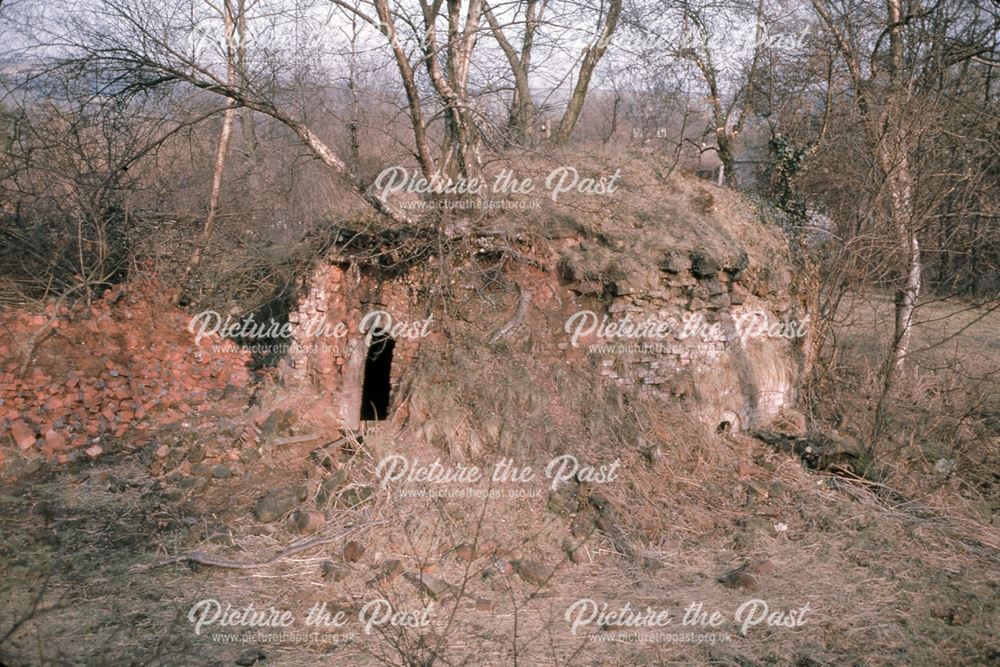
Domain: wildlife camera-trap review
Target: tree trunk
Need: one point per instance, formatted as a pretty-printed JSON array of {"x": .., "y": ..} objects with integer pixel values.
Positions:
[
  {"x": 213, "y": 200},
  {"x": 247, "y": 126},
  {"x": 898, "y": 181},
  {"x": 592, "y": 56},
  {"x": 522, "y": 108},
  {"x": 906, "y": 298},
  {"x": 452, "y": 87},
  {"x": 896, "y": 167},
  {"x": 220, "y": 157},
  {"x": 613, "y": 129},
  {"x": 387, "y": 26}
]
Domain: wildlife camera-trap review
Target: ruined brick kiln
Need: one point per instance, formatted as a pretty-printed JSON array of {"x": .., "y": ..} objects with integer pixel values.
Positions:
[{"x": 720, "y": 325}]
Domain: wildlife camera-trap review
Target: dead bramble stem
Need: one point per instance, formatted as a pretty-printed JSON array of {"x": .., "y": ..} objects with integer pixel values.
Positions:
[{"x": 202, "y": 558}]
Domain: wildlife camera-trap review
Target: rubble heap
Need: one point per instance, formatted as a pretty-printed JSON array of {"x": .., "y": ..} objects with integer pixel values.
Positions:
[{"x": 124, "y": 361}]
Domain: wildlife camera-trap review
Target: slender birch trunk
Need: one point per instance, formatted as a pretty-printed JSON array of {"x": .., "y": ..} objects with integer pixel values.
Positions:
[
  {"x": 591, "y": 57},
  {"x": 220, "y": 155}
]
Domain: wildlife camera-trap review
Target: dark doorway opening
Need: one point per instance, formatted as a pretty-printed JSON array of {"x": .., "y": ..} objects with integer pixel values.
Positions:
[{"x": 376, "y": 387}]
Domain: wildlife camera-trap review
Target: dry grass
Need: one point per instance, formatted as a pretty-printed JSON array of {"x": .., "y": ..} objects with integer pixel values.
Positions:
[
  {"x": 888, "y": 582},
  {"x": 946, "y": 410}
]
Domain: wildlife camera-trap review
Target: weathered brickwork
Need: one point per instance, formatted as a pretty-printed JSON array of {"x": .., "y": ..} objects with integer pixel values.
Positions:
[
  {"x": 329, "y": 361},
  {"x": 720, "y": 336}
]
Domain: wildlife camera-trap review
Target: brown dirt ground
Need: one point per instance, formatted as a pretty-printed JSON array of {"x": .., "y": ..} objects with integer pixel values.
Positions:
[{"x": 887, "y": 583}]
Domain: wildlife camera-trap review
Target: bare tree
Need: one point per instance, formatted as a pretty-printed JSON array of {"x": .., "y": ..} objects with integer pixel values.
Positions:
[
  {"x": 384, "y": 20},
  {"x": 881, "y": 110},
  {"x": 871, "y": 122},
  {"x": 448, "y": 67},
  {"x": 138, "y": 46},
  {"x": 521, "y": 118},
  {"x": 707, "y": 35},
  {"x": 591, "y": 56},
  {"x": 230, "y": 34},
  {"x": 452, "y": 82}
]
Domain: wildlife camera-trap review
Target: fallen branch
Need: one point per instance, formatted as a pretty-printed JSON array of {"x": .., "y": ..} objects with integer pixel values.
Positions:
[
  {"x": 295, "y": 439},
  {"x": 515, "y": 321},
  {"x": 202, "y": 558},
  {"x": 326, "y": 455}
]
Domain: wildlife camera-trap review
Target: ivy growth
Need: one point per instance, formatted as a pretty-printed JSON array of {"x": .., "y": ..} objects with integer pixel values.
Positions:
[{"x": 785, "y": 166}]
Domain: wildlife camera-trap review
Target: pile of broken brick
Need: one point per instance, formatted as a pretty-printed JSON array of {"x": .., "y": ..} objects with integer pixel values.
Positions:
[{"x": 74, "y": 375}]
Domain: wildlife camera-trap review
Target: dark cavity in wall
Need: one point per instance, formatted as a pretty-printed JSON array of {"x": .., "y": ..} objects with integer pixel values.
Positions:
[
  {"x": 267, "y": 321},
  {"x": 378, "y": 367}
]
